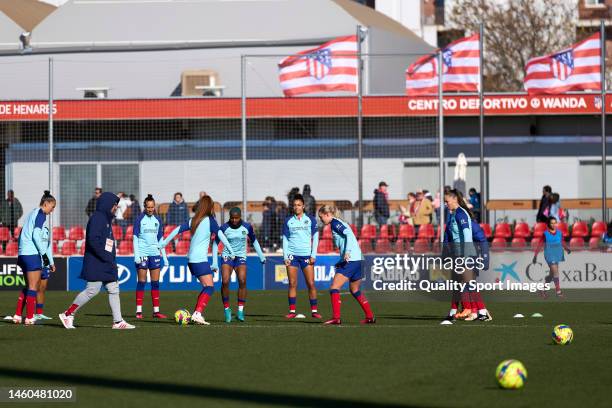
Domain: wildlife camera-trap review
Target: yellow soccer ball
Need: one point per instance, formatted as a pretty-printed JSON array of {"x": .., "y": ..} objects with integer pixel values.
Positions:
[
  {"x": 182, "y": 317},
  {"x": 511, "y": 374},
  {"x": 562, "y": 334}
]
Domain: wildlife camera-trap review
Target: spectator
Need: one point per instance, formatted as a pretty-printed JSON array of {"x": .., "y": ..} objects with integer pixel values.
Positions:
[
  {"x": 544, "y": 204},
  {"x": 310, "y": 204},
  {"x": 554, "y": 207},
  {"x": 178, "y": 213},
  {"x": 290, "y": 197},
  {"x": 270, "y": 224},
  {"x": 423, "y": 210},
  {"x": 91, "y": 205},
  {"x": 10, "y": 211},
  {"x": 134, "y": 209},
  {"x": 123, "y": 211},
  {"x": 475, "y": 203},
  {"x": 195, "y": 206},
  {"x": 407, "y": 214},
  {"x": 381, "y": 203},
  {"x": 427, "y": 195},
  {"x": 436, "y": 205}
]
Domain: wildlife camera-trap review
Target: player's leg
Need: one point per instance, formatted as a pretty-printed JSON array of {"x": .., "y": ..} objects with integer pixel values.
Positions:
[
  {"x": 241, "y": 273},
  {"x": 292, "y": 278},
  {"x": 466, "y": 296},
  {"x": 226, "y": 274},
  {"x": 155, "y": 293},
  {"x": 33, "y": 284},
  {"x": 140, "y": 288},
  {"x": 115, "y": 304},
  {"x": 355, "y": 286},
  {"x": 204, "y": 275},
  {"x": 312, "y": 290},
  {"x": 334, "y": 291},
  {"x": 91, "y": 290},
  {"x": 554, "y": 274},
  {"x": 40, "y": 297}
]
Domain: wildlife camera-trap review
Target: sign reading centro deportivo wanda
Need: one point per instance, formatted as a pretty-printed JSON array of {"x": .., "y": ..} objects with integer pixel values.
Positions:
[{"x": 373, "y": 106}]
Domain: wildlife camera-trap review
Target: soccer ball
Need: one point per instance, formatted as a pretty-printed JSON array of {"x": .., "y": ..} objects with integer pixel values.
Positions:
[
  {"x": 511, "y": 374},
  {"x": 562, "y": 334},
  {"x": 182, "y": 317}
]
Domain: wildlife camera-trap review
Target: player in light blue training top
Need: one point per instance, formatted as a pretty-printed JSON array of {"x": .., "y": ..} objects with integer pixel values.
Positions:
[
  {"x": 35, "y": 257},
  {"x": 202, "y": 226},
  {"x": 300, "y": 242},
  {"x": 237, "y": 233},
  {"x": 349, "y": 268},
  {"x": 148, "y": 232}
]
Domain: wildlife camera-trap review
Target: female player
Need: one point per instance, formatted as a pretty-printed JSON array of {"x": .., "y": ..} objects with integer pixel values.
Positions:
[
  {"x": 148, "y": 232},
  {"x": 40, "y": 295},
  {"x": 300, "y": 242},
  {"x": 459, "y": 241},
  {"x": 35, "y": 255},
  {"x": 348, "y": 269},
  {"x": 99, "y": 263},
  {"x": 553, "y": 244},
  {"x": 202, "y": 226},
  {"x": 236, "y": 231}
]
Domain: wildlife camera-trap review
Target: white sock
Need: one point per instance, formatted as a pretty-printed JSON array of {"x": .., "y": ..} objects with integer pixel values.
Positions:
[
  {"x": 452, "y": 312},
  {"x": 139, "y": 309},
  {"x": 482, "y": 311},
  {"x": 155, "y": 309},
  {"x": 241, "y": 308}
]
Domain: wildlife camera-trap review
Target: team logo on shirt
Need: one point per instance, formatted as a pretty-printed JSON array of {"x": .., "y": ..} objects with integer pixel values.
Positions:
[{"x": 244, "y": 232}]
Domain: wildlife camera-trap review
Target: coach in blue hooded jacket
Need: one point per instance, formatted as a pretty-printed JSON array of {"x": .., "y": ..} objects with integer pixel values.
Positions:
[{"x": 99, "y": 262}]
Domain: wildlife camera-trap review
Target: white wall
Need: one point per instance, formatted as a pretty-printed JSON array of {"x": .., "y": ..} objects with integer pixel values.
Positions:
[{"x": 408, "y": 13}]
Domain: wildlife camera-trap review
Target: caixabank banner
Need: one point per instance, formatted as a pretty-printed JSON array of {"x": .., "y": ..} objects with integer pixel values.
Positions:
[
  {"x": 12, "y": 277},
  {"x": 175, "y": 276}
]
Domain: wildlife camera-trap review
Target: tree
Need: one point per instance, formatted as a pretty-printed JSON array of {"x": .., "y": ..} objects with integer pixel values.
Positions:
[{"x": 516, "y": 31}]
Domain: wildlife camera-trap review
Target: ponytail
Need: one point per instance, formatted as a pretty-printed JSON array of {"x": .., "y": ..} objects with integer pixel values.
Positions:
[
  {"x": 149, "y": 198},
  {"x": 331, "y": 209},
  {"x": 460, "y": 200},
  {"x": 47, "y": 198}
]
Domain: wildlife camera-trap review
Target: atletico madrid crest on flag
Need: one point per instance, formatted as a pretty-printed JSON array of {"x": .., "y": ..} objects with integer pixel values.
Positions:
[
  {"x": 562, "y": 65},
  {"x": 319, "y": 63}
]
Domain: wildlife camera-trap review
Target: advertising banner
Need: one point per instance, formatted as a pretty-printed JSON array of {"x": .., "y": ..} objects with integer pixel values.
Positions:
[{"x": 12, "y": 277}]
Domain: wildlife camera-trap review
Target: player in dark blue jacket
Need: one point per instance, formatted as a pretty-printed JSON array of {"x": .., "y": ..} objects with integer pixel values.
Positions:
[
  {"x": 148, "y": 233},
  {"x": 99, "y": 263}
]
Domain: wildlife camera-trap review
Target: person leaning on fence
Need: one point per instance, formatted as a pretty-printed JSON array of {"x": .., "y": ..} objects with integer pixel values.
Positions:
[
  {"x": 423, "y": 210},
  {"x": 10, "y": 211},
  {"x": 178, "y": 212},
  {"x": 407, "y": 214},
  {"x": 310, "y": 204},
  {"x": 270, "y": 229},
  {"x": 544, "y": 204},
  {"x": 91, "y": 204},
  {"x": 99, "y": 263},
  {"x": 381, "y": 203}
]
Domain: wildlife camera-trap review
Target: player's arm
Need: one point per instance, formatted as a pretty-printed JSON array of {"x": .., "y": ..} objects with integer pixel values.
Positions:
[
  {"x": 565, "y": 246},
  {"x": 214, "y": 229},
  {"x": 256, "y": 245},
  {"x": 314, "y": 231},
  {"x": 215, "y": 254},
  {"x": 135, "y": 238},
  {"x": 286, "y": 235},
  {"x": 339, "y": 228},
  {"x": 538, "y": 249},
  {"x": 178, "y": 230}
]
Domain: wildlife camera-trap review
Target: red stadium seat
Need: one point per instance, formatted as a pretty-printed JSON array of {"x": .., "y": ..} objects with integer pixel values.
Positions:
[
  {"x": 1, "y": 250},
  {"x": 69, "y": 248},
  {"x": 406, "y": 231},
  {"x": 17, "y": 232},
  {"x": 12, "y": 248},
  {"x": 55, "y": 250},
  {"x": 125, "y": 248},
  {"x": 325, "y": 246},
  {"x": 368, "y": 231},
  {"x": 354, "y": 228},
  {"x": 598, "y": 229},
  {"x": 387, "y": 232},
  {"x": 518, "y": 243},
  {"x": 402, "y": 246},
  {"x": 186, "y": 236},
  {"x": 594, "y": 243},
  {"x": 421, "y": 246},
  {"x": 117, "y": 232},
  {"x": 538, "y": 229},
  {"x": 129, "y": 233},
  {"x": 366, "y": 246},
  {"x": 168, "y": 229},
  {"x": 76, "y": 233},
  {"x": 580, "y": 230},
  {"x": 182, "y": 248},
  {"x": 522, "y": 230},
  {"x": 576, "y": 244},
  {"x": 498, "y": 244},
  {"x": 426, "y": 231},
  {"x": 5, "y": 234},
  {"x": 502, "y": 230},
  {"x": 82, "y": 249},
  {"x": 59, "y": 233},
  {"x": 327, "y": 232},
  {"x": 383, "y": 246},
  {"x": 564, "y": 229},
  {"x": 535, "y": 242},
  {"x": 486, "y": 228},
  {"x": 169, "y": 248}
]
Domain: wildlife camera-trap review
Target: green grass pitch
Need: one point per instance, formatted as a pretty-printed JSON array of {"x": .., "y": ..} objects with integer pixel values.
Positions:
[{"x": 408, "y": 359}]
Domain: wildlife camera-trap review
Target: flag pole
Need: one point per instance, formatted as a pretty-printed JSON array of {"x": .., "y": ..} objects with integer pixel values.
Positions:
[
  {"x": 441, "y": 144},
  {"x": 243, "y": 133},
  {"x": 603, "y": 122},
  {"x": 359, "y": 128},
  {"x": 483, "y": 201}
]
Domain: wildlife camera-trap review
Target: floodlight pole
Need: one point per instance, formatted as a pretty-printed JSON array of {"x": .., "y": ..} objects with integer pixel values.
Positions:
[
  {"x": 441, "y": 143},
  {"x": 604, "y": 193},
  {"x": 244, "y": 133},
  {"x": 359, "y": 128},
  {"x": 483, "y": 201},
  {"x": 50, "y": 138}
]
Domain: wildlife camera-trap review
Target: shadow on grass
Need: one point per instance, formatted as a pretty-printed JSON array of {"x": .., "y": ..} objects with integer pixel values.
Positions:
[
  {"x": 407, "y": 317},
  {"x": 199, "y": 391}
]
